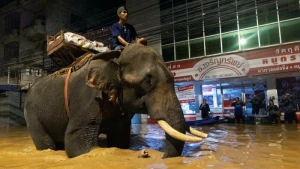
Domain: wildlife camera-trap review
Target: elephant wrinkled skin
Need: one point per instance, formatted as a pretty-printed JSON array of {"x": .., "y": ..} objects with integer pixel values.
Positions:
[{"x": 103, "y": 96}]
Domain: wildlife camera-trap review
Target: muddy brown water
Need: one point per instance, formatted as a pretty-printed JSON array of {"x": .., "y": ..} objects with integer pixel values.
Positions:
[{"x": 229, "y": 146}]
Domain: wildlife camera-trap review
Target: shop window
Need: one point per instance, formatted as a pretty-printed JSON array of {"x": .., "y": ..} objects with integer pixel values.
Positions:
[
  {"x": 290, "y": 30},
  {"x": 166, "y": 15},
  {"x": 180, "y": 3},
  {"x": 230, "y": 42},
  {"x": 288, "y": 9},
  {"x": 211, "y": 18},
  {"x": 212, "y": 96},
  {"x": 195, "y": 21},
  {"x": 182, "y": 50},
  {"x": 197, "y": 47},
  {"x": 248, "y": 38},
  {"x": 228, "y": 15},
  {"x": 180, "y": 31},
  {"x": 180, "y": 20},
  {"x": 213, "y": 45},
  {"x": 211, "y": 28},
  {"x": 229, "y": 22},
  {"x": 195, "y": 29},
  {"x": 269, "y": 35},
  {"x": 266, "y": 10},
  {"x": 246, "y": 13},
  {"x": 167, "y": 34},
  {"x": 168, "y": 52},
  {"x": 166, "y": 19}
]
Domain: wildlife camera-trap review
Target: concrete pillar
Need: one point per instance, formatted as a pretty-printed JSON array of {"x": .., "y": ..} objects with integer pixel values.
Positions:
[
  {"x": 198, "y": 95},
  {"x": 198, "y": 99},
  {"x": 222, "y": 100},
  {"x": 272, "y": 90},
  {"x": 215, "y": 96},
  {"x": 8, "y": 75}
]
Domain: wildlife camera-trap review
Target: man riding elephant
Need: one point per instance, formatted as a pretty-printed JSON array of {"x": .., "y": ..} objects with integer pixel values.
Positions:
[{"x": 69, "y": 111}]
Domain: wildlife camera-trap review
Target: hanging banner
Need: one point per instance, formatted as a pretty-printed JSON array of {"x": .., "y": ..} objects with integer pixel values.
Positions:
[
  {"x": 279, "y": 59},
  {"x": 185, "y": 94}
]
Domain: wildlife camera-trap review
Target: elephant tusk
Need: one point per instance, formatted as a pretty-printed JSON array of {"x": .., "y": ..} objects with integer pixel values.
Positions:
[
  {"x": 196, "y": 132},
  {"x": 176, "y": 134}
]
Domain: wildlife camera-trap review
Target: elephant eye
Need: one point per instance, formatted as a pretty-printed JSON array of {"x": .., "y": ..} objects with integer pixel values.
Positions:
[
  {"x": 147, "y": 79},
  {"x": 148, "y": 83}
]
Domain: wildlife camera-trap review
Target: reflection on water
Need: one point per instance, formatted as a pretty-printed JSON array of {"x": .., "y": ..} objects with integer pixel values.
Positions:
[{"x": 229, "y": 146}]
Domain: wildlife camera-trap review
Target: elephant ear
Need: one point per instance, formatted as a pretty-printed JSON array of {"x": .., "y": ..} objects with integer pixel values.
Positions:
[{"x": 104, "y": 76}]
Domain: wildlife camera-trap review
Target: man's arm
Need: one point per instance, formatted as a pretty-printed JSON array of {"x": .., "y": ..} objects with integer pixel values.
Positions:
[
  {"x": 116, "y": 32},
  {"x": 121, "y": 40},
  {"x": 135, "y": 36}
]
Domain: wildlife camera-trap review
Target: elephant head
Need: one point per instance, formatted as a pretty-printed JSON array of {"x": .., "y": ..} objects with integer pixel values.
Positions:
[{"x": 141, "y": 83}]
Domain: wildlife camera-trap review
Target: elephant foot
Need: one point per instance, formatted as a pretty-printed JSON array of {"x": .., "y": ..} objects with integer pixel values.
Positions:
[{"x": 143, "y": 154}]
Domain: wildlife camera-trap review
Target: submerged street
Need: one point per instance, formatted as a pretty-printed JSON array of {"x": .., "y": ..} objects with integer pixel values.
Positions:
[{"x": 229, "y": 146}]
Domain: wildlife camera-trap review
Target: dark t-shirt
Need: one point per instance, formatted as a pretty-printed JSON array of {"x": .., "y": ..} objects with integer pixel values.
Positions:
[
  {"x": 273, "y": 110},
  {"x": 238, "y": 108},
  {"x": 204, "y": 108},
  {"x": 127, "y": 32}
]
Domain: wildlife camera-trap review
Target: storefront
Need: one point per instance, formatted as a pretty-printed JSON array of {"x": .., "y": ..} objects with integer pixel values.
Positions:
[{"x": 267, "y": 72}]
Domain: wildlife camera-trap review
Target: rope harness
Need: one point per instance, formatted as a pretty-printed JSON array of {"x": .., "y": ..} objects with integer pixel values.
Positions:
[
  {"x": 80, "y": 62},
  {"x": 66, "y": 92}
]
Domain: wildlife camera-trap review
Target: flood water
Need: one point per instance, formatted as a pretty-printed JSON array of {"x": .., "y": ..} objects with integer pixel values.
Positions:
[{"x": 229, "y": 146}]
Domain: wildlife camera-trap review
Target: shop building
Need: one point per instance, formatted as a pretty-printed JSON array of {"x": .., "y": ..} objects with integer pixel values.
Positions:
[{"x": 231, "y": 48}]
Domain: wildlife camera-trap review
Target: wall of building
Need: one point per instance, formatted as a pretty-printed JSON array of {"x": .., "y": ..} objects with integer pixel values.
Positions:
[
  {"x": 58, "y": 16},
  {"x": 11, "y": 109},
  {"x": 145, "y": 17},
  {"x": 4, "y": 112},
  {"x": 192, "y": 29}
]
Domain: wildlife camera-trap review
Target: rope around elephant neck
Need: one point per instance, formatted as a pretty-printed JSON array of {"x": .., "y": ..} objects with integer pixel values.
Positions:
[{"x": 66, "y": 92}]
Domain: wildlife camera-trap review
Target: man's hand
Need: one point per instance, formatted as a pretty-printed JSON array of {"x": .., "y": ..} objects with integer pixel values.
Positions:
[{"x": 142, "y": 41}]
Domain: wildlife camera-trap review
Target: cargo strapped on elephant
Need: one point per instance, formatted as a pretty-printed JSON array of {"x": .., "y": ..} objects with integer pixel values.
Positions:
[{"x": 65, "y": 47}]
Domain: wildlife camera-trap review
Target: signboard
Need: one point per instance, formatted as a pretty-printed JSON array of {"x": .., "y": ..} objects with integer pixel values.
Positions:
[
  {"x": 285, "y": 58},
  {"x": 185, "y": 94}
]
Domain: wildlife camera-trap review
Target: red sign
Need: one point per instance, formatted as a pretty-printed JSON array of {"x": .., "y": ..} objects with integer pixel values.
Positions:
[{"x": 285, "y": 58}]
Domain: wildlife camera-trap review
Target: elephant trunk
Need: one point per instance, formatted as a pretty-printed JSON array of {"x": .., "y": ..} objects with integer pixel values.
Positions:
[
  {"x": 169, "y": 115},
  {"x": 173, "y": 145}
]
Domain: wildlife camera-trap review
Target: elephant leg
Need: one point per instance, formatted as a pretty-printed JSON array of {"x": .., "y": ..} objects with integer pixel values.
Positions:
[
  {"x": 121, "y": 136},
  {"x": 40, "y": 137},
  {"x": 81, "y": 138}
]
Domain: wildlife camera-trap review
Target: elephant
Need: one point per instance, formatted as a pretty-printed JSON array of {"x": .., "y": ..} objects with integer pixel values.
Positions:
[{"x": 102, "y": 96}]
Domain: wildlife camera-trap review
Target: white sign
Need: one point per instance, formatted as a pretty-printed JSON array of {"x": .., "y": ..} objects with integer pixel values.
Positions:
[
  {"x": 221, "y": 67},
  {"x": 185, "y": 94}
]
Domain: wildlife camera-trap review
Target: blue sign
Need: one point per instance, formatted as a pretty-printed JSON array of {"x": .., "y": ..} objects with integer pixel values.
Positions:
[{"x": 9, "y": 87}]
